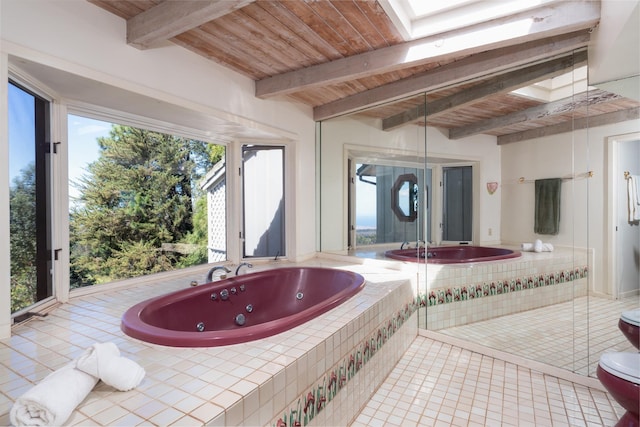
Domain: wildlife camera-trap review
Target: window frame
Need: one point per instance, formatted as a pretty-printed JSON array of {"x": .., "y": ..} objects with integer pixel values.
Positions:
[
  {"x": 437, "y": 201},
  {"x": 243, "y": 202},
  {"x": 467, "y": 191},
  {"x": 50, "y": 132}
]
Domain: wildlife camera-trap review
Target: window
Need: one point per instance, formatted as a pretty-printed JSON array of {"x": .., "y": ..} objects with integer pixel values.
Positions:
[
  {"x": 388, "y": 203},
  {"x": 263, "y": 232},
  {"x": 404, "y": 197},
  {"x": 140, "y": 201},
  {"x": 30, "y": 198}
]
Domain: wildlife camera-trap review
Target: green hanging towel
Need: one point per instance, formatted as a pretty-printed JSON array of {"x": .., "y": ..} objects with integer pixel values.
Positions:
[{"x": 547, "y": 214}]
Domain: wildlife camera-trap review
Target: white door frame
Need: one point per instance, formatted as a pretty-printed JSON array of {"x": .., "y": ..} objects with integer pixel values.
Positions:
[{"x": 612, "y": 210}]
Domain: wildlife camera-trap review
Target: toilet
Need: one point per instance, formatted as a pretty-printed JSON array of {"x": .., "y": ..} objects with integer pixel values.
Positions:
[
  {"x": 629, "y": 324},
  {"x": 619, "y": 373}
]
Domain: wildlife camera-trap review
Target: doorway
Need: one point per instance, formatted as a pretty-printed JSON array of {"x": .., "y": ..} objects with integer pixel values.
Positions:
[{"x": 624, "y": 232}]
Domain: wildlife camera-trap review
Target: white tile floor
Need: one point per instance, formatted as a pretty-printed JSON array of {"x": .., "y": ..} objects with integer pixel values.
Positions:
[
  {"x": 570, "y": 335},
  {"x": 439, "y": 384}
]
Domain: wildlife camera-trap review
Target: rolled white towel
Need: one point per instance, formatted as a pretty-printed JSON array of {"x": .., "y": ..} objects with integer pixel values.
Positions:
[
  {"x": 526, "y": 247},
  {"x": 52, "y": 400},
  {"x": 537, "y": 245},
  {"x": 103, "y": 361},
  {"x": 534, "y": 247}
]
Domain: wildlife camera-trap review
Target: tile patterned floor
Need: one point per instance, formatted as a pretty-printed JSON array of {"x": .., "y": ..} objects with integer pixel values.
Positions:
[
  {"x": 545, "y": 334},
  {"x": 438, "y": 384}
]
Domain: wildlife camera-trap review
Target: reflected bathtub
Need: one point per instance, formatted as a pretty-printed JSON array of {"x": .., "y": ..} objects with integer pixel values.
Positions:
[
  {"x": 452, "y": 254},
  {"x": 241, "y": 308}
]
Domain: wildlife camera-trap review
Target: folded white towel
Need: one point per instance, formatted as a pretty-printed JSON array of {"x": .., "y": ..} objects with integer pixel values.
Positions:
[
  {"x": 103, "y": 360},
  {"x": 52, "y": 400}
]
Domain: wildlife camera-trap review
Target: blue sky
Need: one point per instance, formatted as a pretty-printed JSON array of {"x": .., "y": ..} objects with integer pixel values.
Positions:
[
  {"x": 365, "y": 203},
  {"x": 83, "y": 145},
  {"x": 21, "y": 131},
  {"x": 83, "y": 134}
]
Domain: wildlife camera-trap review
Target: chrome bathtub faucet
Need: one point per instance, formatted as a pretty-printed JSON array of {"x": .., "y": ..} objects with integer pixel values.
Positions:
[
  {"x": 244, "y": 264},
  {"x": 217, "y": 267}
]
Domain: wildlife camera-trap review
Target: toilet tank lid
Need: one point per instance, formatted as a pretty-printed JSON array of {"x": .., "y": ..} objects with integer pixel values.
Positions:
[
  {"x": 632, "y": 316},
  {"x": 622, "y": 365}
]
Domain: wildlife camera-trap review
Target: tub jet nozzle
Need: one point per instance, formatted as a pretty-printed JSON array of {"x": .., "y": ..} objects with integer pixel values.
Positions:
[{"x": 240, "y": 319}]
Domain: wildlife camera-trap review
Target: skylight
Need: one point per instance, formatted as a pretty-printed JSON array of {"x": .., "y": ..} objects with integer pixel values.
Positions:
[
  {"x": 419, "y": 18},
  {"x": 421, "y": 8},
  {"x": 560, "y": 87}
]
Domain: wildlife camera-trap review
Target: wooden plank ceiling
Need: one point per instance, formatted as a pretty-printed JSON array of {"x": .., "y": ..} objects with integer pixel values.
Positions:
[{"x": 347, "y": 57}]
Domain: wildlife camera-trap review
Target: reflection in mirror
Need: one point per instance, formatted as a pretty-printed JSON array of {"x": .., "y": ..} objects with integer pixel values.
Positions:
[
  {"x": 529, "y": 306},
  {"x": 554, "y": 304},
  {"x": 386, "y": 197},
  {"x": 560, "y": 301},
  {"x": 404, "y": 198},
  {"x": 457, "y": 204},
  {"x": 364, "y": 209}
]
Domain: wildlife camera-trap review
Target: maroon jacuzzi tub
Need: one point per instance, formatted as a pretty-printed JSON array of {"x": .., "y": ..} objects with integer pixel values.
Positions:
[
  {"x": 241, "y": 308},
  {"x": 452, "y": 254}
]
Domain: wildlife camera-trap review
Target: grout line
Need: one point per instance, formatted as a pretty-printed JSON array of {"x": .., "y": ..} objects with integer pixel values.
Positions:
[{"x": 515, "y": 359}]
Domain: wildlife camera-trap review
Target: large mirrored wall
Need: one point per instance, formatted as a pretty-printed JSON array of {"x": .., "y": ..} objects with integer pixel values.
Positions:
[
  {"x": 371, "y": 184},
  {"x": 386, "y": 187}
]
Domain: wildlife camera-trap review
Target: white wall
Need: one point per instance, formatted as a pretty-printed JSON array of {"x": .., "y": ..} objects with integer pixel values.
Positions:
[
  {"x": 614, "y": 56},
  {"x": 364, "y": 134},
  {"x": 78, "y": 38},
  {"x": 551, "y": 157},
  {"x": 583, "y": 200}
]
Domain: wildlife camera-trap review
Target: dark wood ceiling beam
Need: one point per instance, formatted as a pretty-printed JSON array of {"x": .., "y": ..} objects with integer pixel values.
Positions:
[
  {"x": 467, "y": 69},
  {"x": 571, "y": 125},
  {"x": 539, "y": 112},
  {"x": 513, "y": 30},
  {"x": 173, "y": 17},
  {"x": 500, "y": 84}
]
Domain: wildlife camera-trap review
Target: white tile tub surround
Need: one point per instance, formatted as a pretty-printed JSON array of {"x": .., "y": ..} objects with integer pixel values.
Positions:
[
  {"x": 530, "y": 266},
  {"x": 243, "y": 384},
  {"x": 357, "y": 391}
]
